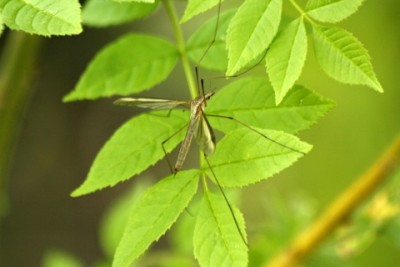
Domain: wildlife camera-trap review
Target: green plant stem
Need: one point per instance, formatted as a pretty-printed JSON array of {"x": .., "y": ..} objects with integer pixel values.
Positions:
[
  {"x": 340, "y": 209},
  {"x": 302, "y": 12},
  {"x": 185, "y": 63},
  {"x": 16, "y": 70},
  {"x": 181, "y": 47},
  {"x": 203, "y": 175}
]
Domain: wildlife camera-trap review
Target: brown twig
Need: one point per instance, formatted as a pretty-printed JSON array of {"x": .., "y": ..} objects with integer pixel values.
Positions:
[{"x": 341, "y": 208}]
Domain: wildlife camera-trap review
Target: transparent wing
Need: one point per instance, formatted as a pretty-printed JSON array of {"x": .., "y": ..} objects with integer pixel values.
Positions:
[
  {"x": 205, "y": 136},
  {"x": 191, "y": 131},
  {"x": 153, "y": 103}
]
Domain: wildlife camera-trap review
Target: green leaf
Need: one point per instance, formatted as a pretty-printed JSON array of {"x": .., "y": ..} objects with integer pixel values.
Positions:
[
  {"x": 244, "y": 156},
  {"x": 45, "y": 17},
  {"x": 1, "y": 25},
  {"x": 251, "y": 101},
  {"x": 184, "y": 226},
  {"x": 286, "y": 57},
  {"x": 134, "y": 147},
  {"x": 343, "y": 57},
  {"x": 154, "y": 214},
  {"x": 116, "y": 217},
  {"x": 216, "y": 57},
  {"x": 217, "y": 240},
  {"x": 332, "y": 11},
  {"x": 60, "y": 258},
  {"x": 195, "y": 7},
  {"x": 129, "y": 65},
  {"x": 251, "y": 31},
  {"x": 136, "y": 1},
  {"x": 102, "y": 13}
]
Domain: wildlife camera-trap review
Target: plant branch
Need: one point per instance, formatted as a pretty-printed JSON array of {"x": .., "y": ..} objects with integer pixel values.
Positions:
[
  {"x": 16, "y": 70},
  {"x": 181, "y": 47},
  {"x": 341, "y": 208}
]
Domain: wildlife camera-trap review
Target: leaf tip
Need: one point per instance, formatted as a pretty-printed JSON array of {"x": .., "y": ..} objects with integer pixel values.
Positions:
[
  {"x": 307, "y": 147},
  {"x": 68, "y": 97},
  {"x": 85, "y": 188},
  {"x": 76, "y": 193},
  {"x": 231, "y": 70},
  {"x": 378, "y": 87},
  {"x": 279, "y": 97},
  {"x": 184, "y": 18}
]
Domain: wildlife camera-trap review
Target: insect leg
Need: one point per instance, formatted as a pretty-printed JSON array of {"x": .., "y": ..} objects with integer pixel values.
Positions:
[
  {"x": 256, "y": 131},
  {"x": 165, "y": 151},
  {"x": 227, "y": 201}
]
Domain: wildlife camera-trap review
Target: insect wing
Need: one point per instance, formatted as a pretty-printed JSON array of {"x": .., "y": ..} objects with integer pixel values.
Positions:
[
  {"x": 153, "y": 103},
  {"x": 205, "y": 136},
  {"x": 191, "y": 131}
]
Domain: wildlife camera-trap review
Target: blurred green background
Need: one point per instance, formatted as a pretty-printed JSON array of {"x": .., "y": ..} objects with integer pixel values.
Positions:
[{"x": 59, "y": 141}]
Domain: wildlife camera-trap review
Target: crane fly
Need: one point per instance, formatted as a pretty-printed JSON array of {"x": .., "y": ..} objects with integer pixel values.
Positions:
[{"x": 198, "y": 127}]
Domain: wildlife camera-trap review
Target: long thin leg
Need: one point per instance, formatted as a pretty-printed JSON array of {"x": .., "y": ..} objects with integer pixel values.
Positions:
[
  {"x": 256, "y": 131},
  {"x": 165, "y": 151},
  {"x": 172, "y": 169},
  {"x": 237, "y": 74},
  {"x": 226, "y": 200}
]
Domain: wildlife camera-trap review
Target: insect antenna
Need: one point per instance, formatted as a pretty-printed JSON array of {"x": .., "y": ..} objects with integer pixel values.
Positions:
[
  {"x": 200, "y": 81},
  {"x": 240, "y": 73}
]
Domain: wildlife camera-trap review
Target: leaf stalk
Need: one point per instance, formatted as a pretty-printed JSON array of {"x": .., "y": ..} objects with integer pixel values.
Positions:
[
  {"x": 181, "y": 47},
  {"x": 302, "y": 12}
]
